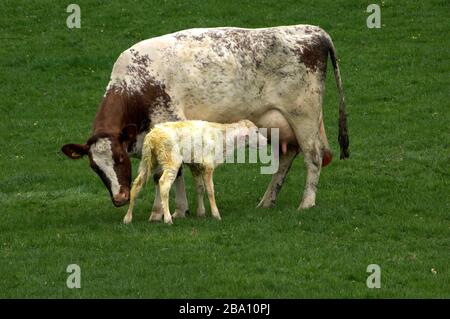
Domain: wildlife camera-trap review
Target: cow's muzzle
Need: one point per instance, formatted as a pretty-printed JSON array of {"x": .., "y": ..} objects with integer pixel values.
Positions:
[{"x": 121, "y": 198}]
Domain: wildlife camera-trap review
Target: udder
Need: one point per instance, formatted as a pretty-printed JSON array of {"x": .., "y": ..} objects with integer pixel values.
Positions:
[{"x": 274, "y": 119}]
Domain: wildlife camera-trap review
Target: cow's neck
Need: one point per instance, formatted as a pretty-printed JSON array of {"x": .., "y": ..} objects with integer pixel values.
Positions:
[{"x": 116, "y": 111}]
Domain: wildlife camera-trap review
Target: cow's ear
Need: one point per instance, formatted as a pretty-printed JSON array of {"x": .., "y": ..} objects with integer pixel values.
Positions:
[
  {"x": 75, "y": 151},
  {"x": 128, "y": 133}
]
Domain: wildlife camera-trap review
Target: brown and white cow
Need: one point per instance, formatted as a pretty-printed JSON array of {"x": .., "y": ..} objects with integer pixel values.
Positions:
[{"x": 274, "y": 77}]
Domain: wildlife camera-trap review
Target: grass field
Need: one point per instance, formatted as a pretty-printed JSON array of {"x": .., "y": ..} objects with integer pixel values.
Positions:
[{"x": 387, "y": 205}]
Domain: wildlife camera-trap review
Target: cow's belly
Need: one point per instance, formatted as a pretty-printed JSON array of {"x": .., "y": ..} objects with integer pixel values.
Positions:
[{"x": 269, "y": 119}]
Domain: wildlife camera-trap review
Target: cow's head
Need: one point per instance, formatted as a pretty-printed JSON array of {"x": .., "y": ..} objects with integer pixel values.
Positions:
[{"x": 108, "y": 157}]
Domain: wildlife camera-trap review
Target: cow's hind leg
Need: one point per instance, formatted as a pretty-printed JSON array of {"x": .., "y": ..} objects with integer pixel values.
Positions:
[
  {"x": 307, "y": 134},
  {"x": 277, "y": 181},
  {"x": 200, "y": 189}
]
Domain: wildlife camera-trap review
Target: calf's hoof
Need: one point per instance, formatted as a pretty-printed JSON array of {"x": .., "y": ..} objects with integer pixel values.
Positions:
[
  {"x": 307, "y": 204},
  {"x": 127, "y": 219}
]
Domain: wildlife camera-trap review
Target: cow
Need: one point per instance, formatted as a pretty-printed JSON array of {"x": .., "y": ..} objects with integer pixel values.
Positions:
[
  {"x": 274, "y": 77},
  {"x": 201, "y": 145}
]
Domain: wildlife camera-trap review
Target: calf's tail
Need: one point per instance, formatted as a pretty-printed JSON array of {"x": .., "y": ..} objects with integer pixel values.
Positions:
[
  {"x": 145, "y": 166},
  {"x": 343, "y": 132}
]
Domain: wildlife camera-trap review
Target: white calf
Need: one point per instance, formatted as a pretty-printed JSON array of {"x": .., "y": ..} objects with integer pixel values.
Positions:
[{"x": 170, "y": 144}]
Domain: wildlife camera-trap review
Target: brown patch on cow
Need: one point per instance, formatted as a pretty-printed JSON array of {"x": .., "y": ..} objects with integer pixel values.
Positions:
[
  {"x": 198, "y": 37},
  {"x": 314, "y": 53},
  {"x": 144, "y": 102},
  {"x": 180, "y": 36},
  {"x": 120, "y": 108},
  {"x": 94, "y": 138},
  {"x": 143, "y": 60}
]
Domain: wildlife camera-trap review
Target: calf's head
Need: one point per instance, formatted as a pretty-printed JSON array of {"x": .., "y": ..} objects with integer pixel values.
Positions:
[
  {"x": 255, "y": 138},
  {"x": 108, "y": 158}
]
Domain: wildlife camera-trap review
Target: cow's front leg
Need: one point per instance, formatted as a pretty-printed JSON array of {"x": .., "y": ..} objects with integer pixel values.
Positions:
[
  {"x": 181, "y": 202},
  {"x": 157, "y": 213},
  {"x": 200, "y": 189},
  {"x": 277, "y": 181}
]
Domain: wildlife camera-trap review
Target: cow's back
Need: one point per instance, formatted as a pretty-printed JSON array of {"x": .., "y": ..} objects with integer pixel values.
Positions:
[{"x": 205, "y": 72}]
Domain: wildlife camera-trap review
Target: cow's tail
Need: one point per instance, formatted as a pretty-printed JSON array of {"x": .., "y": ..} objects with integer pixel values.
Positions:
[{"x": 343, "y": 132}]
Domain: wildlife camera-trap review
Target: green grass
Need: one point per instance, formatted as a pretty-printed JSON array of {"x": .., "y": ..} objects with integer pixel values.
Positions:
[{"x": 388, "y": 204}]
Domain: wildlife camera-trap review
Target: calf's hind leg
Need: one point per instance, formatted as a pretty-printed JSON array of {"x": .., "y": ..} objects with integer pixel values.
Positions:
[
  {"x": 165, "y": 183},
  {"x": 135, "y": 189},
  {"x": 156, "y": 214},
  {"x": 181, "y": 202}
]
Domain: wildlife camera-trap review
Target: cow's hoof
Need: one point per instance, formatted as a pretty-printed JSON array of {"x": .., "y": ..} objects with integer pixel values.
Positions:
[
  {"x": 178, "y": 214},
  {"x": 168, "y": 221},
  {"x": 217, "y": 217},
  {"x": 155, "y": 217},
  {"x": 266, "y": 204}
]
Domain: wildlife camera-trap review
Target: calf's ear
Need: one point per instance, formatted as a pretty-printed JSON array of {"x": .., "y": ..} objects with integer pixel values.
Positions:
[
  {"x": 75, "y": 151},
  {"x": 128, "y": 133},
  {"x": 242, "y": 134}
]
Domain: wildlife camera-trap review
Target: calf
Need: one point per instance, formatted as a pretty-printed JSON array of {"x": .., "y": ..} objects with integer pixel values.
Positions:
[{"x": 169, "y": 145}]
